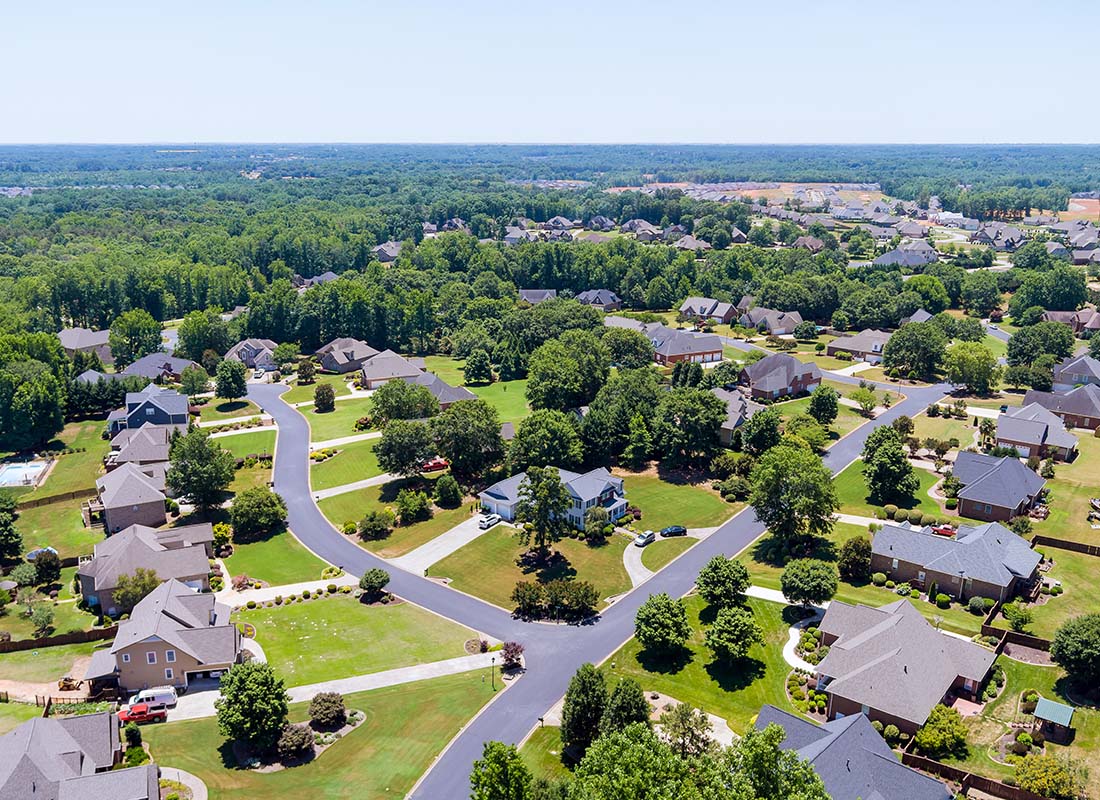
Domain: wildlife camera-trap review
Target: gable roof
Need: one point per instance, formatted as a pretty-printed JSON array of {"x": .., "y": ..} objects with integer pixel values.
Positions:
[
  {"x": 770, "y": 318},
  {"x": 387, "y": 365},
  {"x": 584, "y": 486},
  {"x": 851, "y": 758},
  {"x": 1078, "y": 367},
  {"x": 387, "y": 250},
  {"x": 867, "y": 340},
  {"x": 155, "y": 365},
  {"x": 1081, "y": 401},
  {"x": 171, "y": 553},
  {"x": 689, "y": 242},
  {"x": 778, "y": 371},
  {"x": 1002, "y": 482},
  {"x": 705, "y": 307},
  {"x": 141, "y": 445},
  {"x": 738, "y": 407},
  {"x": 536, "y": 296},
  {"x": 598, "y": 297},
  {"x": 1035, "y": 425},
  {"x": 128, "y": 486},
  {"x": 920, "y": 315},
  {"x": 442, "y": 391},
  {"x": 346, "y": 350},
  {"x": 193, "y": 623},
  {"x": 670, "y": 342},
  {"x": 82, "y": 338}
]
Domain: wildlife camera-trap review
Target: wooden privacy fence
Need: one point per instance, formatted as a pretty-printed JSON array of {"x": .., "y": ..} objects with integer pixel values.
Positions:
[
  {"x": 1062, "y": 544},
  {"x": 75, "y": 637},
  {"x": 1010, "y": 637},
  {"x": 76, "y": 494},
  {"x": 968, "y": 780}
]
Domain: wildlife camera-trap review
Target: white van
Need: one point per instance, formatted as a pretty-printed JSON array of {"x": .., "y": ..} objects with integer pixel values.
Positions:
[
  {"x": 487, "y": 521},
  {"x": 157, "y": 696}
]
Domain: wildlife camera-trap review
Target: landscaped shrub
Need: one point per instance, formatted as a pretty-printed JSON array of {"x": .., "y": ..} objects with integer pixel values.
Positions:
[
  {"x": 877, "y": 725},
  {"x": 927, "y": 519},
  {"x": 528, "y": 598},
  {"x": 915, "y": 516},
  {"x": 295, "y": 742},
  {"x": 373, "y": 582},
  {"x": 327, "y": 710},
  {"x": 511, "y": 653},
  {"x": 976, "y": 606},
  {"x": 132, "y": 734},
  {"x": 891, "y": 733},
  {"x": 305, "y": 594},
  {"x": 951, "y": 503},
  {"x": 891, "y": 510},
  {"x": 331, "y": 588},
  {"x": 251, "y": 604},
  {"x": 902, "y": 590},
  {"x": 914, "y": 594},
  {"x": 878, "y": 579},
  {"x": 943, "y": 600}
]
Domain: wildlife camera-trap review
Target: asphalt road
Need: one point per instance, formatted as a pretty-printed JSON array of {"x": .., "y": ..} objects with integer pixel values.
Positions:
[{"x": 553, "y": 652}]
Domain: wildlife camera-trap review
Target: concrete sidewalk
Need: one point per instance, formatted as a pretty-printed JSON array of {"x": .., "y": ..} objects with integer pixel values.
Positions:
[
  {"x": 234, "y": 598},
  {"x": 443, "y": 545},
  {"x": 385, "y": 477},
  {"x": 232, "y": 420},
  {"x": 359, "y": 437},
  {"x": 853, "y": 369}
]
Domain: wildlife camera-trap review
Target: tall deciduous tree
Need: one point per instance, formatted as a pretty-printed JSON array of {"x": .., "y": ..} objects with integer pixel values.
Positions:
[
  {"x": 629, "y": 349},
  {"x": 500, "y": 774},
  {"x": 133, "y": 334},
  {"x": 733, "y": 632},
  {"x": 541, "y": 507},
  {"x": 478, "y": 367},
  {"x": 687, "y": 425},
  {"x": 824, "y": 404},
  {"x": 626, "y": 706},
  {"x": 793, "y": 495},
  {"x": 583, "y": 708},
  {"x": 253, "y": 705},
  {"x": 404, "y": 447},
  {"x": 722, "y": 582},
  {"x": 810, "y": 581},
  {"x": 231, "y": 379},
  {"x": 915, "y": 348},
  {"x": 201, "y": 331},
  {"x": 546, "y": 438},
  {"x": 886, "y": 468},
  {"x": 972, "y": 365},
  {"x": 199, "y": 470},
  {"x": 661, "y": 624},
  {"x": 468, "y": 435}
]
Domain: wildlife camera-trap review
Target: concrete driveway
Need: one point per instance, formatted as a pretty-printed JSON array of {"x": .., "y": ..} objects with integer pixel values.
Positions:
[{"x": 443, "y": 545}]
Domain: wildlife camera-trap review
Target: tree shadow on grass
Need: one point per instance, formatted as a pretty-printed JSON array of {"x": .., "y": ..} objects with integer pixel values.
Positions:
[
  {"x": 770, "y": 550},
  {"x": 738, "y": 675},
  {"x": 669, "y": 663},
  {"x": 797, "y": 613},
  {"x": 554, "y": 566},
  {"x": 229, "y": 406}
]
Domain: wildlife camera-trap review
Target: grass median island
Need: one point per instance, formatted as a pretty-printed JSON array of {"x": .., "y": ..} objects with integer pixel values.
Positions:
[
  {"x": 338, "y": 636},
  {"x": 663, "y": 551},
  {"x": 242, "y": 445},
  {"x": 489, "y": 567},
  {"x": 46, "y": 664},
  {"x": 353, "y": 462},
  {"x": 338, "y": 423},
  {"x": 74, "y": 471},
  {"x": 734, "y": 693},
  {"x": 218, "y": 409},
  {"x": 851, "y": 491},
  {"x": 405, "y": 729},
  {"x": 304, "y": 393},
  {"x": 665, "y": 503},
  {"x": 278, "y": 559}
]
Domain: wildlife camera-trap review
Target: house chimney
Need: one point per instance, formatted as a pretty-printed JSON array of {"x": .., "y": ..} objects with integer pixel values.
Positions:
[
  {"x": 848, "y": 765},
  {"x": 905, "y": 668}
]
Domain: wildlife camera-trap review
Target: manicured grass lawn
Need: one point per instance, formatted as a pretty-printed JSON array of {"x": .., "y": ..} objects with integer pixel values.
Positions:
[
  {"x": 542, "y": 753},
  {"x": 46, "y": 664},
  {"x": 277, "y": 559},
  {"x": 1070, "y": 490},
  {"x": 60, "y": 526},
  {"x": 353, "y": 506},
  {"x": 509, "y": 398},
  {"x": 354, "y": 462},
  {"x": 74, "y": 471},
  {"x": 734, "y": 693},
  {"x": 338, "y": 423},
  {"x": 447, "y": 368},
  {"x": 998, "y": 347},
  {"x": 338, "y": 636},
  {"x": 304, "y": 393},
  {"x": 218, "y": 409},
  {"x": 405, "y": 729},
  {"x": 1077, "y": 572},
  {"x": 242, "y": 445},
  {"x": 851, "y": 491},
  {"x": 487, "y": 566},
  {"x": 823, "y": 361},
  {"x": 14, "y": 714},
  {"x": 249, "y": 478},
  {"x": 66, "y": 618},
  {"x": 662, "y": 551},
  {"x": 847, "y": 419},
  {"x": 664, "y": 503},
  {"x": 1005, "y": 397},
  {"x": 945, "y": 428}
]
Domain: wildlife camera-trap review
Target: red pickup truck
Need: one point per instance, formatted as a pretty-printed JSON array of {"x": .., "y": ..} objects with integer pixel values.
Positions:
[{"x": 141, "y": 713}]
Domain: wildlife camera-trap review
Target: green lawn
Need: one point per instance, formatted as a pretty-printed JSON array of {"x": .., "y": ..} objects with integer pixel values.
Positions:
[
  {"x": 14, "y": 714},
  {"x": 1077, "y": 572},
  {"x": 509, "y": 398},
  {"x": 60, "y": 526},
  {"x": 46, "y": 664},
  {"x": 998, "y": 347},
  {"x": 250, "y": 478},
  {"x": 354, "y": 462},
  {"x": 304, "y": 393},
  {"x": 338, "y": 636},
  {"x": 218, "y": 409},
  {"x": 352, "y": 506},
  {"x": 851, "y": 491},
  {"x": 488, "y": 568},
  {"x": 1070, "y": 491},
  {"x": 66, "y": 618},
  {"x": 945, "y": 428},
  {"x": 664, "y": 503},
  {"x": 405, "y": 729},
  {"x": 662, "y": 551},
  {"x": 542, "y": 753},
  {"x": 338, "y": 423},
  {"x": 734, "y": 693},
  {"x": 447, "y": 368},
  {"x": 847, "y": 419},
  {"x": 1005, "y": 397},
  {"x": 242, "y": 445},
  {"x": 277, "y": 559},
  {"x": 74, "y": 471}
]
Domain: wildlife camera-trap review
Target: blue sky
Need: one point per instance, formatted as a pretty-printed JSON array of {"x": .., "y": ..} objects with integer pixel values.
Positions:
[{"x": 408, "y": 71}]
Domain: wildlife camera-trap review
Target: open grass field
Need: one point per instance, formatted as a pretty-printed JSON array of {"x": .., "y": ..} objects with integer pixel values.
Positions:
[
  {"x": 218, "y": 409},
  {"x": 733, "y": 693},
  {"x": 354, "y": 462},
  {"x": 406, "y": 727},
  {"x": 242, "y": 445},
  {"x": 851, "y": 491},
  {"x": 1005, "y": 397},
  {"x": 1077, "y": 573},
  {"x": 999, "y": 347},
  {"x": 542, "y": 753},
  {"x": 945, "y": 428},
  {"x": 74, "y": 471},
  {"x": 338, "y": 636},
  {"x": 447, "y": 368},
  {"x": 662, "y": 551},
  {"x": 45, "y": 664},
  {"x": 14, "y": 714},
  {"x": 509, "y": 398},
  {"x": 58, "y": 525},
  {"x": 665, "y": 503},
  {"x": 337, "y": 423},
  {"x": 277, "y": 559},
  {"x": 488, "y": 568},
  {"x": 304, "y": 393},
  {"x": 1070, "y": 490}
]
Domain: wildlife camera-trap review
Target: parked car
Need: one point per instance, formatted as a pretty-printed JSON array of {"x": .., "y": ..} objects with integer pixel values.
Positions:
[
  {"x": 259, "y": 373},
  {"x": 642, "y": 539},
  {"x": 433, "y": 464},
  {"x": 142, "y": 713},
  {"x": 488, "y": 521},
  {"x": 674, "y": 530},
  {"x": 1004, "y": 409},
  {"x": 157, "y": 696}
]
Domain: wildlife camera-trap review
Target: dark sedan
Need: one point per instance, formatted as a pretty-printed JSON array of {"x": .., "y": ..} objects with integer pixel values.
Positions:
[{"x": 674, "y": 530}]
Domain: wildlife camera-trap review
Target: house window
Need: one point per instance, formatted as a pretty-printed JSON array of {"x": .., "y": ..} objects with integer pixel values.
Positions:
[
  {"x": 893, "y": 563},
  {"x": 151, "y": 657},
  {"x": 125, "y": 658},
  {"x": 170, "y": 656},
  {"x": 148, "y": 412},
  {"x": 168, "y": 674}
]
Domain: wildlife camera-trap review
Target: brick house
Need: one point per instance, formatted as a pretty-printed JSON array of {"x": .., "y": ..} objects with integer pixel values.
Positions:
[
  {"x": 780, "y": 375},
  {"x": 995, "y": 489}
]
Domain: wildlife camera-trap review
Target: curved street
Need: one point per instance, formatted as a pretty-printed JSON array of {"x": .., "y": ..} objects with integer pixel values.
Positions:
[{"x": 553, "y": 652}]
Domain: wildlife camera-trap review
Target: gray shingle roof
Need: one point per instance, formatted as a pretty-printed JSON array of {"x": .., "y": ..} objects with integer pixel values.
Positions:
[
  {"x": 1034, "y": 425},
  {"x": 868, "y": 340},
  {"x": 598, "y": 297},
  {"x": 193, "y": 623},
  {"x": 851, "y": 758},
  {"x": 171, "y": 553},
  {"x": 536, "y": 296},
  {"x": 1002, "y": 482},
  {"x": 1082, "y": 400},
  {"x": 142, "y": 445},
  {"x": 128, "y": 485},
  {"x": 738, "y": 407},
  {"x": 155, "y": 365},
  {"x": 778, "y": 371},
  {"x": 82, "y": 338},
  {"x": 387, "y": 365},
  {"x": 584, "y": 486},
  {"x": 442, "y": 391}
]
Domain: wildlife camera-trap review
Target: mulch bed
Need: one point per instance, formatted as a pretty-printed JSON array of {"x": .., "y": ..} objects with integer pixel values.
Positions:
[
  {"x": 1028, "y": 655},
  {"x": 244, "y": 756}
]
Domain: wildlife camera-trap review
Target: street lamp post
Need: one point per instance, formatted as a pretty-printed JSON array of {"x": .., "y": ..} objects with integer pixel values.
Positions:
[{"x": 492, "y": 671}]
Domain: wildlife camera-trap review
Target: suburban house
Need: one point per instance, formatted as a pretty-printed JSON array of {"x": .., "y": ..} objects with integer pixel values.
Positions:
[
  {"x": 387, "y": 366},
  {"x": 84, "y": 340},
  {"x": 920, "y": 315},
  {"x": 1084, "y": 322},
  {"x": 738, "y": 409},
  {"x": 890, "y": 664},
  {"x": 671, "y": 345},
  {"x": 152, "y": 404},
  {"x": 851, "y": 758},
  {"x": 707, "y": 308},
  {"x": 999, "y": 236},
  {"x": 180, "y": 554},
  {"x": 1033, "y": 430},
  {"x": 674, "y": 233},
  {"x": 811, "y": 243},
  {"x": 689, "y": 242},
  {"x": 174, "y": 635},
  {"x": 514, "y": 235},
  {"x": 776, "y": 323},
  {"x": 130, "y": 495},
  {"x": 345, "y": 355},
  {"x": 867, "y": 345},
  {"x": 148, "y": 444},
  {"x": 387, "y": 251},
  {"x": 980, "y": 561},
  {"x": 536, "y": 296},
  {"x": 455, "y": 224},
  {"x": 79, "y": 756},
  {"x": 911, "y": 230},
  {"x": 901, "y": 258},
  {"x": 780, "y": 375},
  {"x": 1077, "y": 408},
  {"x": 643, "y": 231},
  {"x": 254, "y": 353},
  {"x": 600, "y": 223},
  {"x": 995, "y": 489},
  {"x": 560, "y": 223},
  {"x": 1056, "y": 249},
  {"x": 1076, "y": 371},
  {"x": 737, "y": 236},
  {"x": 318, "y": 280},
  {"x": 587, "y": 490},
  {"x": 159, "y": 367},
  {"x": 443, "y": 392},
  {"x": 603, "y": 299}
]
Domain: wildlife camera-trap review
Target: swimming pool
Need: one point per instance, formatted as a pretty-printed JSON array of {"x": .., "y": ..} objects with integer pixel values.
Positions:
[{"x": 21, "y": 474}]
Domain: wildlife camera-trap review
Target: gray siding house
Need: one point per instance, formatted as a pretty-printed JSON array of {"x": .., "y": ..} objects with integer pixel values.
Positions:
[{"x": 598, "y": 487}]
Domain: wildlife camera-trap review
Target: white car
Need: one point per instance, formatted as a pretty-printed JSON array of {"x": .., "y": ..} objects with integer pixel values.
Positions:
[
  {"x": 642, "y": 539},
  {"x": 487, "y": 521},
  {"x": 993, "y": 326}
]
